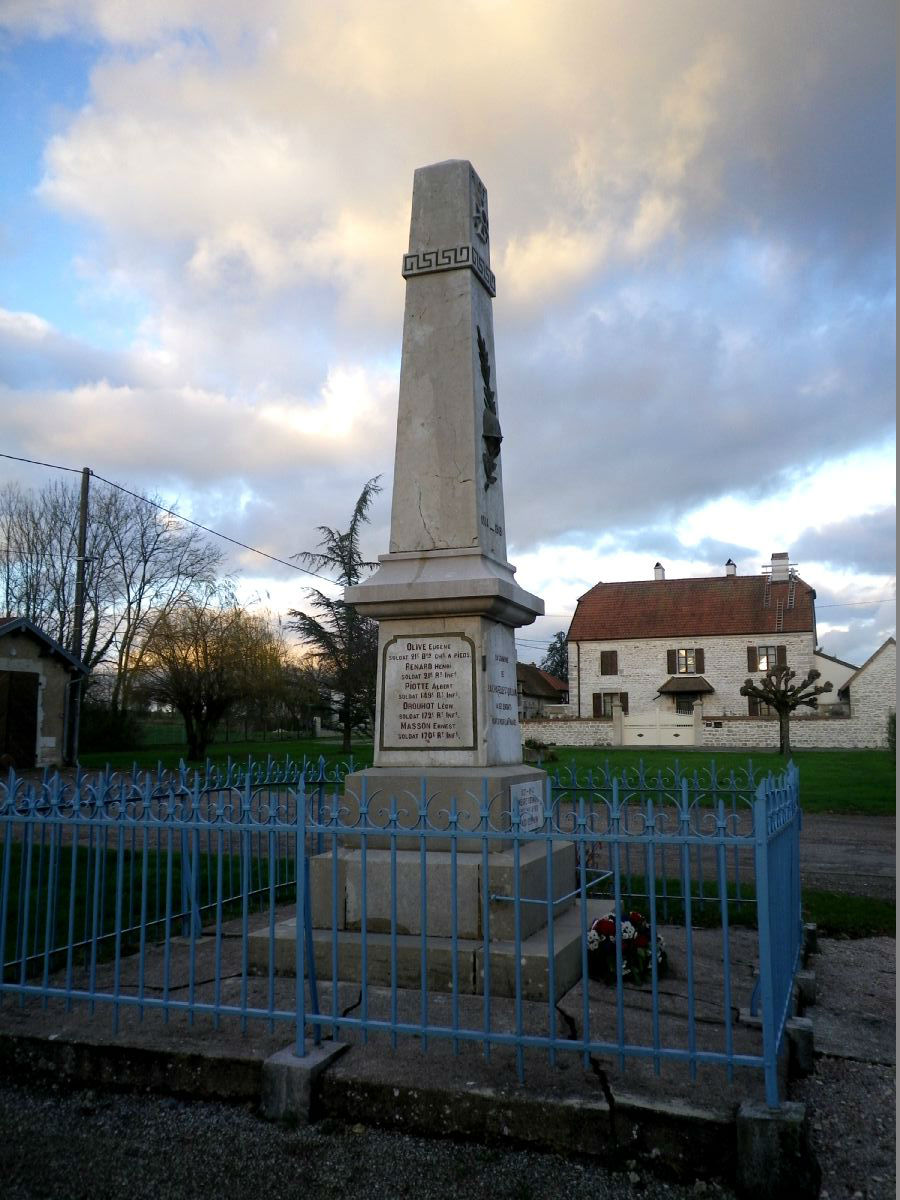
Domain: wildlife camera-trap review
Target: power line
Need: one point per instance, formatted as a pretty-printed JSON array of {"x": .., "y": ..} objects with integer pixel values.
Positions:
[
  {"x": 858, "y": 603},
  {"x": 37, "y": 463},
  {"x": 304, "y": 570},
  {"x": 178, "y": 516}
]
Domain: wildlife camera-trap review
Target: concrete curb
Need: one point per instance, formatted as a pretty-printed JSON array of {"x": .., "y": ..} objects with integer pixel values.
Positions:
[
  {"x": 202, "y": 1074},
  {"x": 675, "y": 1140}
]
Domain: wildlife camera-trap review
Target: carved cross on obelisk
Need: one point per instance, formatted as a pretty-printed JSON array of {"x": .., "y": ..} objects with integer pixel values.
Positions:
[{"x": 445, "y": 596}]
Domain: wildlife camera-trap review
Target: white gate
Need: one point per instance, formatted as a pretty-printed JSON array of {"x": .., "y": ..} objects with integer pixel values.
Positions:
[{"x": 658, "y": 729}]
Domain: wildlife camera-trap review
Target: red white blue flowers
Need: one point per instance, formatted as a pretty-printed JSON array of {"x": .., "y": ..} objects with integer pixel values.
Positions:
[{"x": 636, "y": 939}]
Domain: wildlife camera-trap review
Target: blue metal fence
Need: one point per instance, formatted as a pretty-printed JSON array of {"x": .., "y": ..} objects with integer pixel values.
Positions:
[{"x": 174, "y": 891}]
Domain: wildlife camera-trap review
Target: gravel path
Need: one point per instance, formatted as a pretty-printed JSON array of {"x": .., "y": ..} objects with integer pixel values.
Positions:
[{"x": 85, "y": 1145}]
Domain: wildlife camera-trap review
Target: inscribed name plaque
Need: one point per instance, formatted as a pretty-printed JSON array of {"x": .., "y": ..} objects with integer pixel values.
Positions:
[
  {"x": 428, "y": 693},
  {"x": 528, "y": 799}
]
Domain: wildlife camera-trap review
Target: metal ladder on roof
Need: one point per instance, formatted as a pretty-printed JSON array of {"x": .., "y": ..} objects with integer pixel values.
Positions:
[
  {"x": 792, "y": 590},
  {"x": 767, "y": 593}
]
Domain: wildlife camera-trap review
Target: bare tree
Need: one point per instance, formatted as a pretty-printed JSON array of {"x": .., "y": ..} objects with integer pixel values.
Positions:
[
  {"x": 776, "y": 690},
  {"x": 343, "y": 643},
  {"x": 140, "y": 564},
  {"x": 206, "y": 655}
]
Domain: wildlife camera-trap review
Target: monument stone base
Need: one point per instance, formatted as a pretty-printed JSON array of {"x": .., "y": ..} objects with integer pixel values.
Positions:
[
  {"x": 465, "y": 791},
  {"x": 404, "y": 965}
]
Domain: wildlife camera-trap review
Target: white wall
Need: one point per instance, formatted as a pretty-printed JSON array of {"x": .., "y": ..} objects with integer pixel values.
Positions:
[
  {"x": 873, "y": 695},
  {"x": 642, "y": 669},
  {"x": 834, "y": 673}
]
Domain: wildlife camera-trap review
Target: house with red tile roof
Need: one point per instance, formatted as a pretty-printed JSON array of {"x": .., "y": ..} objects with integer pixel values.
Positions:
[
  {"x": 656, "y": 647},
  {"x": 538, "y": 691}
]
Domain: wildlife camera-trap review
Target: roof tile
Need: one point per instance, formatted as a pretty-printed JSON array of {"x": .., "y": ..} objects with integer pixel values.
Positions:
[{"x": 718, "y": 606}]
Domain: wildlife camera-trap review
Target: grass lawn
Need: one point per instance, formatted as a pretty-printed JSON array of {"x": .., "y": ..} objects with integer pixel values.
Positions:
[{"x": 836, "y": 781}]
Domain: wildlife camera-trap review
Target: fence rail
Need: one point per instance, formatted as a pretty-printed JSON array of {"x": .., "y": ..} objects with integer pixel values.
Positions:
[{"x": 174, "y": 891}]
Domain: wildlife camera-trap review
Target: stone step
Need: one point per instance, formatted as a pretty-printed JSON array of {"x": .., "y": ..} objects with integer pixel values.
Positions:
[{"x": 439, "y": 958}]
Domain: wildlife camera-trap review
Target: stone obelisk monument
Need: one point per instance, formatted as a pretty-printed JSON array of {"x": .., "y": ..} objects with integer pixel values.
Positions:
[
  {"x": 447, "y": 739},
  {"x": 445, "y": 596}
]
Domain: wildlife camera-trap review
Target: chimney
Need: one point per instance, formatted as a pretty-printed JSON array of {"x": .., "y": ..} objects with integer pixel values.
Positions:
[
  {"x": 659, "y": 571},
  {"x": 731, "y": 567},
  {"x": 780, "y": 568}
]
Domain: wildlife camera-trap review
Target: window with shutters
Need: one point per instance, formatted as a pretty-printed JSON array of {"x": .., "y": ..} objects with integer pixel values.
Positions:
[
  {"x": 767, "y": 657},
  {"x": 603, "y": 703},
  {"x": 609, "y": 662},
  {"x": 764, "y": 658},
  {"x": 686, "y": 662},
  {"x": 689, "y": 661}
]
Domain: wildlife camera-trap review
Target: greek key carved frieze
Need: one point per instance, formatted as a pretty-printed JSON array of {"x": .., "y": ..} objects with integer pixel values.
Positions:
[{"x": 451, "y": 258}]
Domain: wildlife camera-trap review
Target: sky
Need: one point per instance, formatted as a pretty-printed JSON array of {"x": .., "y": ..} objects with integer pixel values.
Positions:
[{"x": 204, "y": 206}]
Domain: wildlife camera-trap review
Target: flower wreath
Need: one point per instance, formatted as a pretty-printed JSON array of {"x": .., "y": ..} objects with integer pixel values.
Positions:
[{"x": 636, "y": 956}]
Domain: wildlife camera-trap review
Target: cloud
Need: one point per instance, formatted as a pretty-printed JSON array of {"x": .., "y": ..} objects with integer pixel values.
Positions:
[
  {"x": 692, "y": 214},
  {"x": 865, "y": 543}
]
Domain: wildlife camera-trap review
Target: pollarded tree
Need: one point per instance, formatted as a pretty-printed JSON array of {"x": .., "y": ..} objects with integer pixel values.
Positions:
[
  {"x": 556, "y": 660},
  {"x": 343, "y": 643},
  {"x": 776, "y": 690}
]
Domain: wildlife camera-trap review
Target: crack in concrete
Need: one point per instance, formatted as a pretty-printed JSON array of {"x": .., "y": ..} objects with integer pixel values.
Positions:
[
  {"x": 597, "y": 1070},
  {"x": 422, "y": 518}
]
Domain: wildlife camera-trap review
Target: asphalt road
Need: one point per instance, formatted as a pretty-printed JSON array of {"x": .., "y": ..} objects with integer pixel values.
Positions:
[{"x": 852, "y": 854}]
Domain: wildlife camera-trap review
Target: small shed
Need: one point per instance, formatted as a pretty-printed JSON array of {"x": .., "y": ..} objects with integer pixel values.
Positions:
[{"x": 36, "y": 683}]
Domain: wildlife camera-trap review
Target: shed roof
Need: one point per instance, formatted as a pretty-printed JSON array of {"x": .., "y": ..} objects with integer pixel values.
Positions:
[
  {"x": 718, "y": 606},
  {"x": 536, "y": 682},
  {"x": 21, "y": 625}
]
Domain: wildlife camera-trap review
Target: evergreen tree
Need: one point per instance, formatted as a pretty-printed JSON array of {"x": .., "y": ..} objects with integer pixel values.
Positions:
[
  {"x": 556, "y": 660},
  {"x": 343, "y": 643}
]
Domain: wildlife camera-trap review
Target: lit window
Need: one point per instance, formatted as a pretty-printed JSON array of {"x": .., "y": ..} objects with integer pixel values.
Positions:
[
  {"x": 687, "y": 662},
  {"x": 766, "y": 657}
]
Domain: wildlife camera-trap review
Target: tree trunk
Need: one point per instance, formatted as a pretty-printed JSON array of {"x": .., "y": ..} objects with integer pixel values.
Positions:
[
  {"x": 784, "y": 731},
  {"x": 348, "y": 734},
  {"x": 190, "y": 733}
]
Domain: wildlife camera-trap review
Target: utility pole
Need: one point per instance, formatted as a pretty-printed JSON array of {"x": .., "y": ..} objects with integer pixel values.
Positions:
[{"x": 78, "y": 630}]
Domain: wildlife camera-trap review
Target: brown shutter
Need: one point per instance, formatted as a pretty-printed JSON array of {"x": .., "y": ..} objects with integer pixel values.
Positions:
[
  {"x": 781, "y": 656},
  {"x": 598, "y": 704},
  {"x": 609, "y": 662},
  {"x": 752, "y": 706},
  {"x": 623, "y": 697},
  {"x": 671, "y": 662},
  {"x": 615, "y": 662},
  {"x": 752, "y": 659},
  {"x": 699, "y": 662}
]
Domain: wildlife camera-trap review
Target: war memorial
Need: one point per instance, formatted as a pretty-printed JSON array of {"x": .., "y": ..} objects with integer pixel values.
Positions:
[{"x": 447, "y": 738}]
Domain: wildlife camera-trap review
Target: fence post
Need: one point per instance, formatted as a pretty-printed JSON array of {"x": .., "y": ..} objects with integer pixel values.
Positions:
[{"x": 764, "y": 929}]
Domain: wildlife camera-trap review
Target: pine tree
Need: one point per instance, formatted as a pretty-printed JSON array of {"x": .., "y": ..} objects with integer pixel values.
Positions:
[{"x": 344, "y": 644}]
